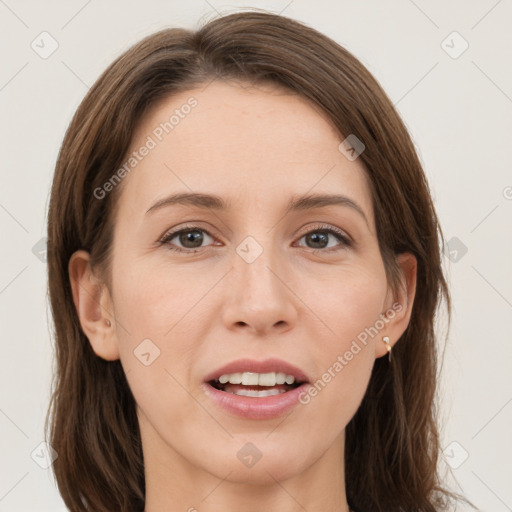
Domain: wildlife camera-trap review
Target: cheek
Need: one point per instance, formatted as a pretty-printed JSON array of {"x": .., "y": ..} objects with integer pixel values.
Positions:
[
  {"x": 349, "y": 302},
  {"x": 349, "y": 305},
  {"x": 150, "y": 299},
  {"x": 155, "y": 312}
]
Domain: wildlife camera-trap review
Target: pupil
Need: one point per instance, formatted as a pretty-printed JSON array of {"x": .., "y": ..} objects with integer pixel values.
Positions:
[
  {"x": 315, "y": 237},
  {"x": 191, "y": 236}
]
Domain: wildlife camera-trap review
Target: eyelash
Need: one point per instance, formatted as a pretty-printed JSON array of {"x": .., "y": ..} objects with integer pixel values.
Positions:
[{"x": 345, "y": 241}]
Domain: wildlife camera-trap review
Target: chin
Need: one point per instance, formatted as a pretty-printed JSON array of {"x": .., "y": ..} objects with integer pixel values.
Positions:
[{"x": 248, "y": 464}]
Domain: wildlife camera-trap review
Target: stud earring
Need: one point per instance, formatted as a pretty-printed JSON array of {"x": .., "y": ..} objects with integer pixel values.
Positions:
[
  {"x": 385, "y": 339},
  {"x": 108, "y": 323}
]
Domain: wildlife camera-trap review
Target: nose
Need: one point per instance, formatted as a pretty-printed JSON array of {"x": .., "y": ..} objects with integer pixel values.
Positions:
[{"x": 259, "y": 298}]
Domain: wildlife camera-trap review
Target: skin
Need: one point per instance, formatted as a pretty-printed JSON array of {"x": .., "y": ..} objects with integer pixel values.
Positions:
[{"x": 255, "y": 147}]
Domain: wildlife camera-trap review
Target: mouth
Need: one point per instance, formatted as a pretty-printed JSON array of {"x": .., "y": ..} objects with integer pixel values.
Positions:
[
  {"x": 256, "y": 390},
  {"x": 255, "y": 385}
]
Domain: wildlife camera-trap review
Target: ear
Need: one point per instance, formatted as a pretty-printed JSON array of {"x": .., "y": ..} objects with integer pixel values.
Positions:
[
  {"x": 398, "y": 308},
  {"x": 94, "y": 307}
]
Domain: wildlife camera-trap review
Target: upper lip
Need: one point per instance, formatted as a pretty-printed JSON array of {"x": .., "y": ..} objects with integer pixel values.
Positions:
[{"x": 266, "y": 366}]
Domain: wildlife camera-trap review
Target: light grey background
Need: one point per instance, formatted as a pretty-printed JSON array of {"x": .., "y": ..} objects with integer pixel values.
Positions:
[{"x": 457, "y": 108}]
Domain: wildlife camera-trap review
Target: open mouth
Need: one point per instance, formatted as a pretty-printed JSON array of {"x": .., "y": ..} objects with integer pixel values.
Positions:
[
  {"x": 256, "y": 385},
  {"x": 256, "y": 390}
]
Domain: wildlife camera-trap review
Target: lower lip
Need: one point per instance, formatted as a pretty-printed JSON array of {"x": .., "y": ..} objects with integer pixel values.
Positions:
[{"x": 255, "y": 408}]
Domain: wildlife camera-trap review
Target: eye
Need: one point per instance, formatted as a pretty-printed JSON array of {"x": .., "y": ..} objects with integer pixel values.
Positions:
[
  {"x": 191, "y": 238},
  {"x": 319, "y": 238}
]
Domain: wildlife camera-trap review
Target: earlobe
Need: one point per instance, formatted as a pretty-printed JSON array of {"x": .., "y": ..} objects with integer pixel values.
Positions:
[
  {"x": 94, "y": 306},
  {"x": 399, "y": 311}
]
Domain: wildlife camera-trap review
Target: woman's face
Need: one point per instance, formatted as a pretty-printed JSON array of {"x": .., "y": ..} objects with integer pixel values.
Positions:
[{"x": 252, "y": 280}]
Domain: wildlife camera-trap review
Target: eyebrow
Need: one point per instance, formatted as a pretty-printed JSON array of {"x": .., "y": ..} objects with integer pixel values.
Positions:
[{"x": 296, "y": 203}]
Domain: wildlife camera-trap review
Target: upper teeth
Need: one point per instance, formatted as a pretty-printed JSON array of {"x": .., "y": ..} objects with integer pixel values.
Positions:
[{"x": 257, "y": 379}]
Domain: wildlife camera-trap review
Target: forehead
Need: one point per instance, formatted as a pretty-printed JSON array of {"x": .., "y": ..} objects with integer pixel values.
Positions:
[
  {"x": 238, "y": 117},
  {"x": 258, "y": 144}
]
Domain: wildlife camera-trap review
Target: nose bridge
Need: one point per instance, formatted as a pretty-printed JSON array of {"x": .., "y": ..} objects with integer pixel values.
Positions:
[
  {"x": 254, "y": 264},
  {"x": 258, "y": 296}
]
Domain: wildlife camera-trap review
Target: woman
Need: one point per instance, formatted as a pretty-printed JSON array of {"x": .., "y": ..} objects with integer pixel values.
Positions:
[{"x": 244, "y": 269}]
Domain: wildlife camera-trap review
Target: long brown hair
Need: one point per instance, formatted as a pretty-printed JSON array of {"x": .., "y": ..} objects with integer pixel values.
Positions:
[{"x": 392, "y": 443}]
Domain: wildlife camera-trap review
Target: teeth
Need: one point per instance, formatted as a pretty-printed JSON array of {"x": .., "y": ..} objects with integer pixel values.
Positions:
[
  {"x": 234, "y": 378},
  {"x": 280, "y": 378},
  {"x": 257, "y": 379},
  {"x": 250, "y": 379},
  {"x": 289, "y": 379},
  {"x": 257, "y": 394},
  {"x": 267, "y": 379}
]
